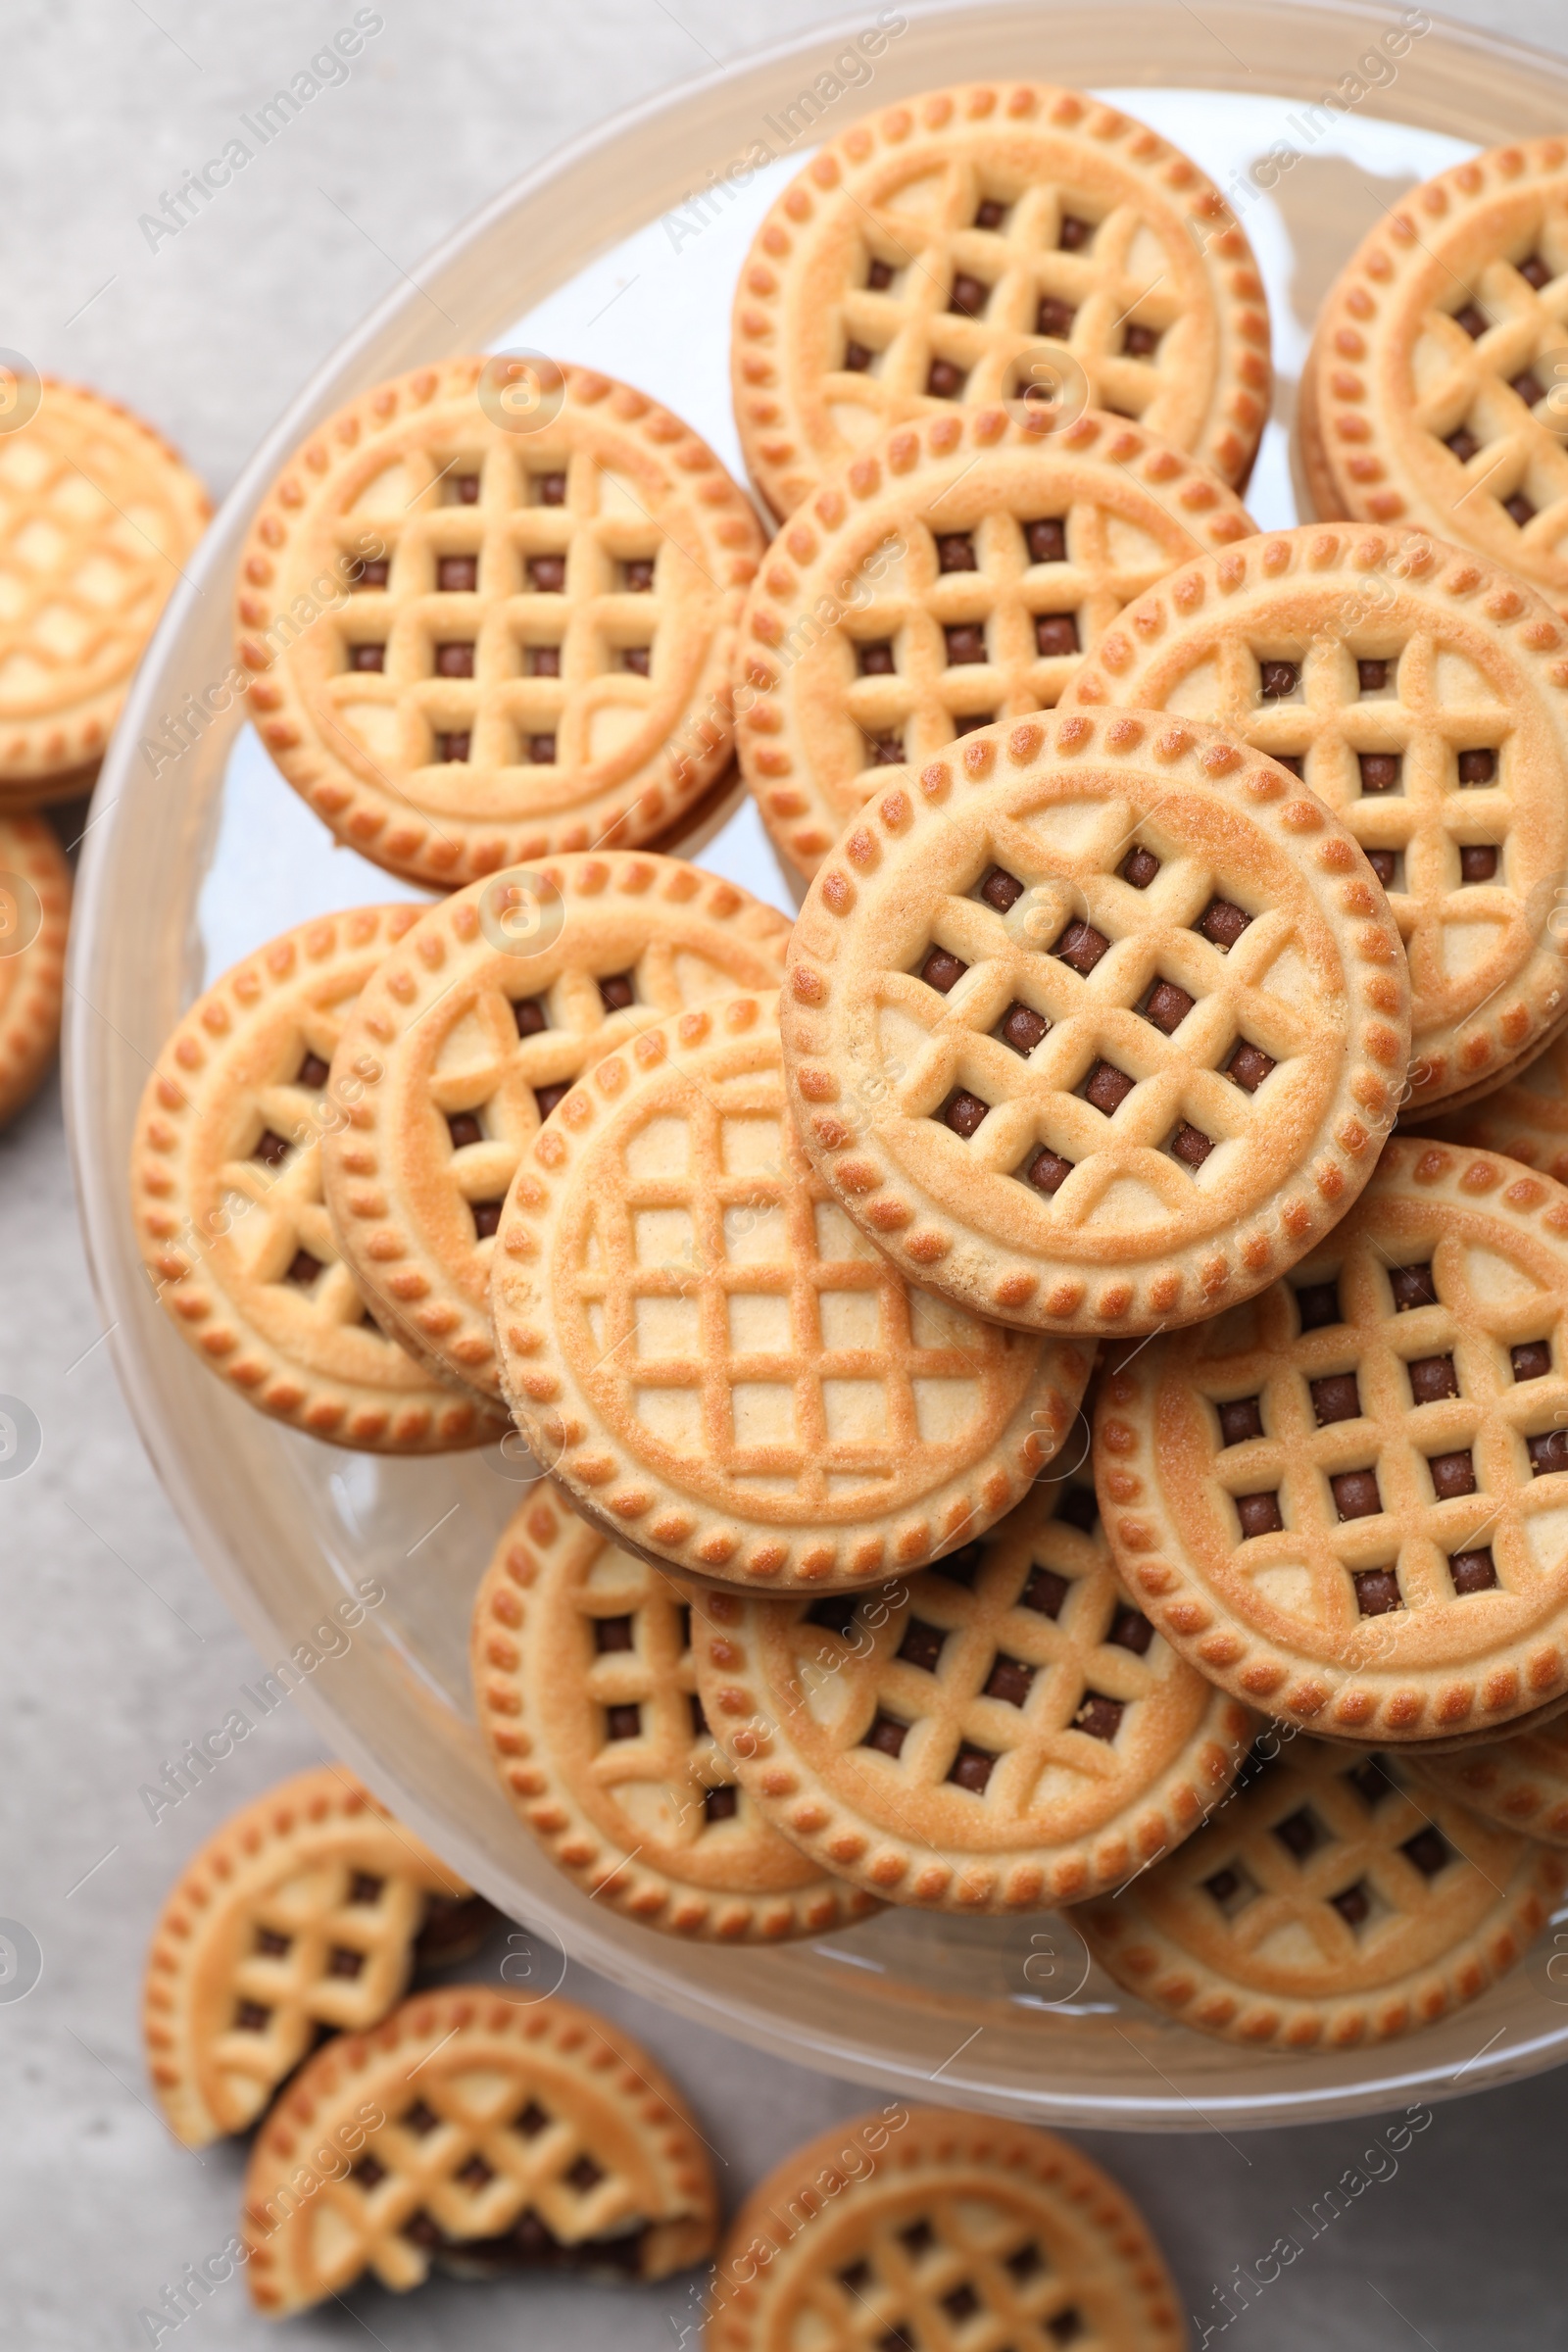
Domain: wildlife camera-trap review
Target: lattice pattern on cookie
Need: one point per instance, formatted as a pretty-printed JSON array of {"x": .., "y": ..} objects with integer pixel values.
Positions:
[
  {"x": 96, "y": 517},
  {"x": 1022, "y": 243},
  {"x": 512, "y": 2131},
  {"x": 1334, "y": 1899},
  {"x": 937, "y": 2263},
  {"x": 723, "y": 1308},
  {"x": 1475, "y": 361},
  {"x": 1111, "y": 1019},
  {"x": 1002, "y": 1730},
  {"x": 1386, "y": 1440}
]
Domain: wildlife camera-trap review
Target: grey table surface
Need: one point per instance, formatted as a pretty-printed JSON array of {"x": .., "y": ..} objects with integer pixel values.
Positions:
[{"x": 114, "y": 1648}]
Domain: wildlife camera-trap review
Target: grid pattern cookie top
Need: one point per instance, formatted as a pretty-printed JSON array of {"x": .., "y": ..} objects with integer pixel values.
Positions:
[
  {"x": 471, "y": 1033},
  {"x": 721, "y": 1371},
  {"x": 299, "y": 1916},
  {"x": 923, "y": 2227},
  {"x": 1003, "y": 1732},
  {"x": 98, "y": 517},
  {"x": 34, "y": 916},
  {"x": 967, "y": 564},
  {"x": 226, "y": 1197},
  {"x": 1521, "y": 1781},
  {"x": 1334, "y": 1900},
  {"x": 1347, "y": 1500},
  {"x": 520, "y": 640},
  {"x": 1436, "y": 389},
  {"x": 586, "y": 1687},
  {"x": 1099, "y": 1026},
  {"x": 991, "y": 243},
  {"x": 1526, "y": 1116},
  {"x": 481, "y": 2133},
  {"x": 1425, "y": 698}
]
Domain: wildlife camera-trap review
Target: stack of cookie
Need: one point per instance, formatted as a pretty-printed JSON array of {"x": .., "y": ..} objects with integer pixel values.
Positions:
[
  {"x": 98, "y": 517},
  {"x": 1154, "y": 868}
]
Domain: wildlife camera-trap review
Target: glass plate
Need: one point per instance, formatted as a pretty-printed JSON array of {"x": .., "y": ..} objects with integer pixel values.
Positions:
[{"x": 598, "y": 256}]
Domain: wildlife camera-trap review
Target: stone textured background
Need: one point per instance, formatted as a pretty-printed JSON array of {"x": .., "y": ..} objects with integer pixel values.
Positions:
[{"x": 113, "y": 1648}]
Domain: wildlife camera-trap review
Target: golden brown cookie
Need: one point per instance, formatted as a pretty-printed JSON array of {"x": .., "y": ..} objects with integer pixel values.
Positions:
[
  {"x": 586, "y": 1687},
  {"x": 226, "y": 1196},
  {"x": 487, "y": 2135},
  {"x": 721, "y": 1372},
  {"x": 1418, "y": 693},
  {"x": 521, "y": 638},
  {"x": 1431, "y": 395},
  {"x": 1347, "y": 1500},
  {"x": 954, "y": 573},
  {"x": 1336, "y": 1900},
  {"x": 473, "y": 1029},
  {"x": 1003, "y": 1732},
  {"x": 1526, "y": 1116},
  {"x": 1521, "y": 1781},
  {"x": 1097, "y": 1026},
  {"x": 974, "y": 244},
  {"x": 35, "y": 918},
  {"x": 920, "y": 2226},
  {"x": 98, "y": 517},
  {"x": 306, "y": 1911}
]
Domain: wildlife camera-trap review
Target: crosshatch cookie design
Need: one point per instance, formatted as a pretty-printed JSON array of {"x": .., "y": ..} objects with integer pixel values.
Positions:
[
  {"x": 1526, "y": 1117},
  {"x": 301, "y": 1915},
  {"x": 1334, "y": 1900},
  {"x": 1521, "y": 1781},
  {"x": 1347, "y": 1500},
  {"x": 536, "y": 659},
  {"x": 920, "y": 2226},
  {"x": 1434, "y": 387},
  {"x": 471, "y": 1031},
  {"x": 1099, "y": 1026},
  {"x": 485, "y": 2134},
  {"x": 1000, "y": 1732},
  {"x": 34, "y": 916},
  {"x": 1426, "y": 700},
  {"x": 721, "y": 1372},
  {"x": 972, "y": 244},
  {"x": 586, "y": 1687},
  {"x": 954, "y": 575},
  {"x": 97, "y": 517},
  {"x": 226, "y": 1197}
]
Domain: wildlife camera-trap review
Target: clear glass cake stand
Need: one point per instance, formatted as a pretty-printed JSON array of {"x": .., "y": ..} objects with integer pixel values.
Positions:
[{"x": 188, "y": 869}]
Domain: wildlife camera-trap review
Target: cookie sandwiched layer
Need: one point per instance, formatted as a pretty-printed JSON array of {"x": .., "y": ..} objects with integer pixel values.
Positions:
[
  {"x": 721, "y": 1371},
  {"x": 955, "y": 572},
  {"x": 1097, "y": 1024},
  {"x": 520, "y": 617},
  {"x": 996, "y": 242}
]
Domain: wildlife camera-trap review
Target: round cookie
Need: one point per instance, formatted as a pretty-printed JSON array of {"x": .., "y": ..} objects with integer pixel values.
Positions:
[
  {"x": 521, "y": 637},
  {"x": 1421, "y": 401},
  {"x": 720, "y": 1371},
  {"x": 226, "y": 1197},
  {"x": 305, "y": 1912},
  {"x": 1521, "y": 1781},
  {"x": 1526, "y": 1116},
  {"x": 98, "y": 517},
  {"x": 470, "y": 1032},
  {"x": 1419, "y": 694},
  {"x": 35, "y": 918},
  {"x": 965, "y": 246},
  {"x": 1005, "y": 1732},
  {"x": 901, "y": 2228},
  {"x": 1347, "y": 1501},
  {"x": 488, "y": 2135},
  {"x": 1097, "y": 1026},
  {"x": 952, "y": 574},
  {"x": 1332, "y": 1903},
  {"x": 586, "y": 1689}
]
